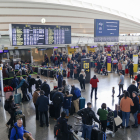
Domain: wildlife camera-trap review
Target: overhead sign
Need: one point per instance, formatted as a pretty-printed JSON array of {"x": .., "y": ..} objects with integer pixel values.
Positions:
[
  {"x": 106, "y": 30},
  {"x": 25, "y": 34}
]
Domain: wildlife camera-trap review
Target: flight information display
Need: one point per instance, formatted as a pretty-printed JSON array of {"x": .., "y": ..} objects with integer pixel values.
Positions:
[
  {"x": 25, "y": 34},
  {"x": 106, "y": 30}
]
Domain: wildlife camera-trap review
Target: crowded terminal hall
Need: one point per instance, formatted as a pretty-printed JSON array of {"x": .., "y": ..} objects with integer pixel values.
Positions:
[{"x": 69, "y": 70}]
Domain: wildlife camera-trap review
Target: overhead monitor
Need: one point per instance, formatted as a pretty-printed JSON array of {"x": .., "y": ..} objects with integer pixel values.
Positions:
[
  {"x": 25, "y": 34},
  {"x": 106, "y": 30},
  {"x": 5, "y": 51}
]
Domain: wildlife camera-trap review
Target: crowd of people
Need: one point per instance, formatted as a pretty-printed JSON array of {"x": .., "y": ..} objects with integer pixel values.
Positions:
[{"x": 67, "y": 96}]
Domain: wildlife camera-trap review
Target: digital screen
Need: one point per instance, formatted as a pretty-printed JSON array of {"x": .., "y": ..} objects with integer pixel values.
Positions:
[
  {"x": 91, "y": 46},
  {"x": 23, "y": 34},
  {"x": 106, "y": 30},
  {"x": 5, "y": 51},
  {"x": 1, "y": 51}
]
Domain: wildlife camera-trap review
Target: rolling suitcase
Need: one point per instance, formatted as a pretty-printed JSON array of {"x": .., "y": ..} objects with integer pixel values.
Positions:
[
  {"x": 17, "y": 98},
  {"x": 72, "y": 109},
  {"x": 22, "y": 116},
  {"x": 51, "y": 110},
  {"x": 81, "y": 103}
]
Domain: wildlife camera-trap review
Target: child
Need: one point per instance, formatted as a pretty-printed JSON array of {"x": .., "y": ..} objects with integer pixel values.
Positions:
[
  {"x": 113, "y": 91},
  {"x": 67, "y": 103}
]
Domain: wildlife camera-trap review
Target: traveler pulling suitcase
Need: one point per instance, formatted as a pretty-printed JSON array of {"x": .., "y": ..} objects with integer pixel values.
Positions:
[{"x": 81, "y": 103}]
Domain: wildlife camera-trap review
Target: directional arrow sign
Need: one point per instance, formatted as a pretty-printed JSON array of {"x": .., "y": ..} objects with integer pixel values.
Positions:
[{"x": 87, "y": 70}]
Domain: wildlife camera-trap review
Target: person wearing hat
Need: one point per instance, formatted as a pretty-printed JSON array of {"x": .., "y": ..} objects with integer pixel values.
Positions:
[
  {"x": 42, "y": 103},
  {"x": 121, "y": 83},
  {"x": 82, "y": 77}
]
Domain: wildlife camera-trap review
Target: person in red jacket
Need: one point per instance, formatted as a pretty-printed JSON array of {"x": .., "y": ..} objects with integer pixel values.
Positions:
[{"x": 93, "y": 82}]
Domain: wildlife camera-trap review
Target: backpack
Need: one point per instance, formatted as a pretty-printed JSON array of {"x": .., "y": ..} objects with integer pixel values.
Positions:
[
  {"x": 57, "y": 130},
  {"x": 57, "y": 99},
  {"x": 77, "y": 92},
  {"x": 25, "y": 84},
  {"x": 6, "y": 106},
  {"x": 10, "y": 132},
  {"x": 80, "y": 78}
]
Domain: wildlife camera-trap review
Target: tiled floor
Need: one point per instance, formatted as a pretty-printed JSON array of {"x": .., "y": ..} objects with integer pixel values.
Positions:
[{"x": 104, "y": 95}]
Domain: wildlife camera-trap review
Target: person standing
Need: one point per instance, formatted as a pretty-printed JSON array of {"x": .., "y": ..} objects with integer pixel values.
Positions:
[
  {"x": 102, "y": 112},
  {"x": 121, "y": 83},
  {"x": 132, "y": 88},
  {"x": 135, "y": 108},
  {"x": 93, "y": 82},
  {"x": 57, "y": 102},
  {"x": 87, "y": 115},
  {"x": 38, "y": 82},
  {"x": 119, "y": 66},
  {"x": 42, "y": 103},
  {"x": 46, "y": 88},
  {"x": 82, "y": 77},
  {"x": 52, "y": 59},
  {"x": 123, "y": 68},
  {"x": 35, "y": 97},
  {"x": 125, "y": 106},
  {"x": 71, "y": 69},
  {"x": 60, "y": 80},
  {"x": 131, "y": 69}
]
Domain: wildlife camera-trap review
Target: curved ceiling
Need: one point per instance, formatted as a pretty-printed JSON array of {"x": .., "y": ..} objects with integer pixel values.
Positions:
[{"x": 79, "y": 14}]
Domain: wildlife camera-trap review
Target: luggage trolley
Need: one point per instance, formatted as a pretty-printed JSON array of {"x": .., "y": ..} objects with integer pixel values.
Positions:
[{"x": 111, "y": 124}]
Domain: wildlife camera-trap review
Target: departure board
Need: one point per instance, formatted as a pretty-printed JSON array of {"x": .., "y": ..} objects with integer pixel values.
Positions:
[{"x": 40, "y": 34}]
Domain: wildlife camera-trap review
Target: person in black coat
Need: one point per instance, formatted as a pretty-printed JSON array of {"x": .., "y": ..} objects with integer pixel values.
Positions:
[
  {"x": 132, "y": 88},
  {"x": 11, "y": 110},
  {"x": 65, "y": 127},
  {"x": 60, "y": 79},
  {"x": 46, "y": 88},
  {"x": 131, "y": 69},
  {"x": 135, "y": 109},
  {"x": 71, "y": 69},
  {"x": 138, "y": 79},
  {"x": 42, "y": 103}
]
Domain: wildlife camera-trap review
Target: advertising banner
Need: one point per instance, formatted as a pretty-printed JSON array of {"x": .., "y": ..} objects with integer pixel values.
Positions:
[
  {"x": 135, "y": 60},
  {"x": 109, "y": 62}
]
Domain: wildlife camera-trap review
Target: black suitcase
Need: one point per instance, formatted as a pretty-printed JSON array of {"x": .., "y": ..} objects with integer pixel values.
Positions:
[
  {"x": 51, "y": 110},
  {"x": 72, "y": 109},
  {"x": 45, "y": 72},
  {"x": 96, "y": 134}
]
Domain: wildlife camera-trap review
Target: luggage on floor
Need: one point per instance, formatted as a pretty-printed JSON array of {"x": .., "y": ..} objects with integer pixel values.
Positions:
[
  {"x": 22, "y": 116},
  {"x": 68, "y": 75},
  {"x": 51, "y": 110},
  {"x": 138, "y": 116},
  {"x": 17, "y": 98},
  {"x": 81, "y": 103},
  {"x": 18, "y": 112},
  {"x": 73, "y": 136},
  {"x": 117, "y": 107},
  {"x": 97, "y": 134},
  {"x": 72, "y": 109},
  {"x": 8, "y": 94},
  {"x": 126, "y": 71}
]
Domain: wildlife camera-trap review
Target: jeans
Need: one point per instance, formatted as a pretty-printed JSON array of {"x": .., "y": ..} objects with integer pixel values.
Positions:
[
  {"x": 95, "y": 92},
  {"x": 120, "y": 87},
  {"x": 82, "y": 84},
  {"x": 66, "y": 111},
  {"x": 41, "y": 118},
  {"x": 136, "y": 119},
  {"x": 87, "y": 129},
  {"x": 71, "y": 73},
  {"x": 125, "y": 116}
]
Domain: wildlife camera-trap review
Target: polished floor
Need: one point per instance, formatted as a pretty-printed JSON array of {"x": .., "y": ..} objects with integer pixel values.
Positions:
[{"x": 104, "y": 96}]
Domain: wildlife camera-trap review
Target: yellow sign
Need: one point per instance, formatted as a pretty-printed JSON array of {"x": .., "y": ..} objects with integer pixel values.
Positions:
[
  {"x": 0, "y": 68},
  {"x": 90, "y": 49},
  {"x": 15, "y": 48},
  {"x": 5, "y": 48},
  {"x": 86, "y": 65},
  {"x": 71, "y": 50},
  {"x": 87, "y": 70}
]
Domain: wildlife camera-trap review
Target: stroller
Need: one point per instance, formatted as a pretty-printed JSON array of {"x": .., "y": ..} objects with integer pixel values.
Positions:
[{"x": 104, "y": 71}]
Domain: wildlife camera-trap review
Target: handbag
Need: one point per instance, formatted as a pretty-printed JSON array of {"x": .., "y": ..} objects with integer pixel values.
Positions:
[{"x": 118, "y": 120}]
